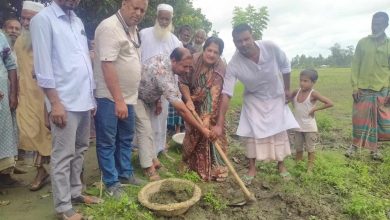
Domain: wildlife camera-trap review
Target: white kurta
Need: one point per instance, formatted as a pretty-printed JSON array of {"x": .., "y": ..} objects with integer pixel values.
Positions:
[
  {"x": 264, "y": 112},
  {"x": 151, "y": 47}
]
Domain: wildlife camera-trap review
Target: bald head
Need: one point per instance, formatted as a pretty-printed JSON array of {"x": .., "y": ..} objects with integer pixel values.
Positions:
[
  {"x": 200, "y": 36},
  {"x": 181, "y": 60}
]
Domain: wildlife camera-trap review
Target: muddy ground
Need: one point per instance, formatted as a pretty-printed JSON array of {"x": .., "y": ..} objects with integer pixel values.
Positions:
[{"x": 272, "y": 202}]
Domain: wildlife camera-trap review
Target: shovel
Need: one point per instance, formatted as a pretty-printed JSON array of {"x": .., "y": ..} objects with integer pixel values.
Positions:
[{"x": 249, "y": 197}]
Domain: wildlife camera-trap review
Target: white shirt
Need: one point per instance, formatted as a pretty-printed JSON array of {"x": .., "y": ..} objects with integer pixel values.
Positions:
[
  {"x": 61, "y": 57},
  {"x": 306, "y": 122},
  {"x": 264, "y": 112},
  {"x": 151, "y": 46}
]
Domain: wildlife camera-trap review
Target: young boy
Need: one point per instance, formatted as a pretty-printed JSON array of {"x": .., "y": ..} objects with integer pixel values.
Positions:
[{"x": 304, "y": 102}]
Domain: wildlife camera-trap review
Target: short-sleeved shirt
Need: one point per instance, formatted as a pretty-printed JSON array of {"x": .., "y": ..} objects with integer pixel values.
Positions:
[
  {"x": 113, "y": 44},
  {"x": 157, "y": 80}
]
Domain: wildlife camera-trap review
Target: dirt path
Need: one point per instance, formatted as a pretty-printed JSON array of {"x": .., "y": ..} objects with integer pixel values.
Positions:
[{"x": 24, "y": 204}]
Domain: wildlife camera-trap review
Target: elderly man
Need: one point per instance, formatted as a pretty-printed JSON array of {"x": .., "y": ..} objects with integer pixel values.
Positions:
[
  {"x": 264, "y": 70},
  {"x": 185, "y": 36},
  {"x": 159, "y": 40},
  {"x": 12, "y": 29},
  {"x": 64, "y": 71},
  {"x": 34, "y": 134},
  {"x": 158, "y": 80},
  {"x": 8, "y": 104},
  {"x": 370, "y": 83},
  {"x": 118, "y": 73},
  {"x": 199, "y": 38}
]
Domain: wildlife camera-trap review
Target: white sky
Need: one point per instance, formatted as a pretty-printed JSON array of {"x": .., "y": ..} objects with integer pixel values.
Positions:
[{"x": 306, "y": 27}]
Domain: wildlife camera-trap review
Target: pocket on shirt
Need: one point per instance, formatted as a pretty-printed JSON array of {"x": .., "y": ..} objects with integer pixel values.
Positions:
[{"x": 383, "y": 57}]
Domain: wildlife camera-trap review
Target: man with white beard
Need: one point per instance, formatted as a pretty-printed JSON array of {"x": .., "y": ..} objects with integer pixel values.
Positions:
[
  {"x": 158, "y": 40},
  {"x": 34, "y": 135}
]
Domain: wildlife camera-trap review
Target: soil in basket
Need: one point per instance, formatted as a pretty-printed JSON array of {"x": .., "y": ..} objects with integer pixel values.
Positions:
[{"x": 172, "y": 192}]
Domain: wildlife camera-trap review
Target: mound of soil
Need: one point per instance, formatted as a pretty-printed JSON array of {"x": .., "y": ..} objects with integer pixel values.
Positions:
[{"x": 172, "y": 192}]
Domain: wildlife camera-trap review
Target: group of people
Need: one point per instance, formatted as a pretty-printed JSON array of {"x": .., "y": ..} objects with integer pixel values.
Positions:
[{"x": 54, "y": 89}]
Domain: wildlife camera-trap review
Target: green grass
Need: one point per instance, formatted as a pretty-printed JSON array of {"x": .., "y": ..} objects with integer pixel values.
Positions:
[{"x": 358, "y": 188}]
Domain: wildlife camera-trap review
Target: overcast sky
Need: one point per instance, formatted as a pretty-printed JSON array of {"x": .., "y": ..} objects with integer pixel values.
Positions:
[{"x": 306, "y": 27}]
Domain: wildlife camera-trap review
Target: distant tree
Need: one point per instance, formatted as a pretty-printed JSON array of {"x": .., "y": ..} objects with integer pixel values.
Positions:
[
  {"x": 256, "y": 18},
  {"x": 215, "y": 33},
  {"x": 339, "y": 57}
]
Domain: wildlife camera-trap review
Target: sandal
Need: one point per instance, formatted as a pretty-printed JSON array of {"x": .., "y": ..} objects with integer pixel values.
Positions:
[
  {"x": 88, "y": 200},
  {"x": 69, "y": 215},
  {"x": 152, "y": 175},
  {"x": 247, "y": 179},
  {"x": 40, "y": 184},
  {"x": 285, "y": 175}
]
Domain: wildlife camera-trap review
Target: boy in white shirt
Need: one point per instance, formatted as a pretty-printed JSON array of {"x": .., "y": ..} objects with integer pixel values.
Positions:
[{"x": 304, "y": 102}]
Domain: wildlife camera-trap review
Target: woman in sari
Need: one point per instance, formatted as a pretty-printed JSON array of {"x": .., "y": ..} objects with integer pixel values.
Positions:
[{"x": 201, "y": 92}]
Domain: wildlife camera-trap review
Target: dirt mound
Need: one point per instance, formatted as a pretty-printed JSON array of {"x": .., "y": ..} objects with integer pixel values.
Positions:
[{"x": 172, "y": 193}]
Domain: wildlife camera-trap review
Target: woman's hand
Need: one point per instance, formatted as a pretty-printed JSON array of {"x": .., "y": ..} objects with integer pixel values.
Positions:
[
  {"x": 199, "y": 95},
  {"x": 190, "y": 105},
  {"x": 206, "y": 132}
]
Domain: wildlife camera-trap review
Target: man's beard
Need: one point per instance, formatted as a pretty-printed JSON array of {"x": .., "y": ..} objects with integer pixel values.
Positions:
[
  {"x": 25, "y": 37},
  {"x": 162, "y": 33}
]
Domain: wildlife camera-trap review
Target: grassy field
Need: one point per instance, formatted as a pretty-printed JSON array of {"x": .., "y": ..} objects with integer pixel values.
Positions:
[{"x": 355, "y": 188}]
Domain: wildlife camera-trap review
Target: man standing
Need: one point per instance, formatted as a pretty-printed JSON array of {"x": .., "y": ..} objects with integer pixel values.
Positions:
[
  {"x": 33, "y": 132},
  {"x": 199, "y": 38},
  {"x": 8, "y": 104},
  {"x": 185, "y": 36},
  {"x": 118, "y": 73},
  {"x": 370, "y": 83},
  {"x": 158, "y": 80},
  {"x": 155, "y": 41},
  {"x": 12, "y": 29},
  {"x": 264, "y": 70},
  {"x": 64, "y": 71}
]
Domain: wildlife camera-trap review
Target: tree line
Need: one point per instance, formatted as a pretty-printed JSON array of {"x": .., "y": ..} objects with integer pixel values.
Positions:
[
  {"x": 339, "y": 57},
  {"x": 92, "y": 12}
]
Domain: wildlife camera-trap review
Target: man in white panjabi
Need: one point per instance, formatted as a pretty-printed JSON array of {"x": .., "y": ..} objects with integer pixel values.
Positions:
[
  {"x": 264, "y": 70},
  {"x": 158, "y": 40}
]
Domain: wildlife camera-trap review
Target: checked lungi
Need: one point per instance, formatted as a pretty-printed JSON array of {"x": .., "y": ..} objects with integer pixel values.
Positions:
[{"x": 371, "y": 119}]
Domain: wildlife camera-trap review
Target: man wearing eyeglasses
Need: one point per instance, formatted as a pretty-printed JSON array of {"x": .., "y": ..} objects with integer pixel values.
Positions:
[
  {"x": 370, "y": 83},
  {"x": 118, "y": 74}
]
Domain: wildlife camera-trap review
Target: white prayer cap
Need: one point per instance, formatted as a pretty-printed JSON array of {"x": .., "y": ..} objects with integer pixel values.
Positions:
[
  {"x": 32, "y": 6},
  {"x": 164, "y": 7}
]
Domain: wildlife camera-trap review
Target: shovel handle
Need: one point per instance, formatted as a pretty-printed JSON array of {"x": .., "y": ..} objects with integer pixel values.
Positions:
[{"x": 248, "y": 195}]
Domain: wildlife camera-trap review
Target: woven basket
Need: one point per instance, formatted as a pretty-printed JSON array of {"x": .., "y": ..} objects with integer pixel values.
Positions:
[{"x": 172, "y": 209}]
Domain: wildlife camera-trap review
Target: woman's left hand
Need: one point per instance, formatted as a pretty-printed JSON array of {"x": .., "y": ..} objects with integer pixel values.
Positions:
[{"x": 199, "y": 95}]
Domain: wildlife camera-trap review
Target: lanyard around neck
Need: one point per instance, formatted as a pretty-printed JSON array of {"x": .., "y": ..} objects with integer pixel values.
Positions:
[{"x": 126, "y": 28}]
